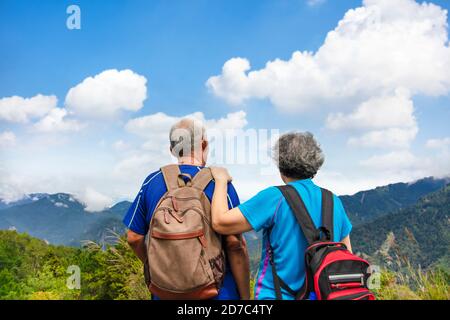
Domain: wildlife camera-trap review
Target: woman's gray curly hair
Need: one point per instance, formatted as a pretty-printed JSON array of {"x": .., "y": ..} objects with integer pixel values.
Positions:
[{"x": 298, "y": 155}]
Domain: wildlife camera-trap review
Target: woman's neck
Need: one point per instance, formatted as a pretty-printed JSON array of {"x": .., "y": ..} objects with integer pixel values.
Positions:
[{"x": 287, "y": 180}]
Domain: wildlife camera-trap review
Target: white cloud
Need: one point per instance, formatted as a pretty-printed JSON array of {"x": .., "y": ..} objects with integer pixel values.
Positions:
[
  {"x": 108, "y": 93},
  {"x": 158, "y": 124},
  {"x": 138, "y": 164},
  {"x": 55, "y": 121},
  {"x": 233, "y": 121},
  {"x": 10, "y": 186},
  {"x": 22, "y": 110},
  {"x": 7, "y": 139},
  {"x": 375, "y": 49},
  {"x": 388, "y": 138},
  {"x": 313, "y": 3},
  {"x": 392, "y": 161},
  {"x": 94, "y": 200},
  {"x": 377, "y": 113},
  {"x": 154, "y": 131},
  {"x": 442, "y": 144},
  {"x": 388, "y": 121},
  {"x": 61, "y": 205},
  {"x": 120, "y": 145},
  {"x": 403, "y": 165}
]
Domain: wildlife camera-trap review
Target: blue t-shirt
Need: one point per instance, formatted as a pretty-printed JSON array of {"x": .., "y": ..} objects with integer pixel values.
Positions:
[
  {"x": 269, "y": 208},
  {"x": 139, "y": 214}
]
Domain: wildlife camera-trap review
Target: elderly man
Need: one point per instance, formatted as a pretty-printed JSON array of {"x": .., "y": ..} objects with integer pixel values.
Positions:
[
  {"x": 298, "y": 157},
  {"x": 188, "y": 143}
]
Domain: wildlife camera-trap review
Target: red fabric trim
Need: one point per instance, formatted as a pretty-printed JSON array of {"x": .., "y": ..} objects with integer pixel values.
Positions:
[
  {"x": 177, "y": 236},
  {"x": 350, "y": 292},
  {"x": 330, "y": 258},
  {"x": 339, "y": 244},
  {"x": 346, "y": 285}
]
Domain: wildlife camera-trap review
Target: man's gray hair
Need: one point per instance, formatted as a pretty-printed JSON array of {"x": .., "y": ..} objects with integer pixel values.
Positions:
[
  {"x": 298, "y": 155},
  {"x": 186, "y": 136}
]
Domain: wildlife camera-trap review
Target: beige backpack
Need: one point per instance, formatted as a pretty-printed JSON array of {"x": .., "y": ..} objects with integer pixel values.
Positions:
[{"x": 185, "y": 256}]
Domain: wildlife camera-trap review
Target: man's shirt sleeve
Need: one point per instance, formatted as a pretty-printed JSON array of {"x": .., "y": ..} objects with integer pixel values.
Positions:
[
  {"x": 343, "y": 224},
  {"x": 260, "y": 210},
  {"x": 135, "y": 219},
  {"x": 232, "y": 196}
]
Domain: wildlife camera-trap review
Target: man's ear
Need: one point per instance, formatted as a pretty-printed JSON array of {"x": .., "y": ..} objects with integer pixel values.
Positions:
[{"x": 204, "y": 145}]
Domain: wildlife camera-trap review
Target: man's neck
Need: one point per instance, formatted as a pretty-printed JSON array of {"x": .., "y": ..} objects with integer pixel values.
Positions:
[{"x": 191, "y": 161}]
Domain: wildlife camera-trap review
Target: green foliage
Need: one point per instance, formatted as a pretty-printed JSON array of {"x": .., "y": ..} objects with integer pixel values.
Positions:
[
  {"x": 414, "y": 284},
  {"x": 32, "y": 269},
  {"x": 419, "y": 234}
]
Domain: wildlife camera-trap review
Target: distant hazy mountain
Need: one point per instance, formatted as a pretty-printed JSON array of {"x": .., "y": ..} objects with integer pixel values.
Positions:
[
  {"x": 61, "y": 219},
  {"x": 420, "y": 233},
  {"x": 366, "y": 206},
  {"x": 26, "y": 199}
]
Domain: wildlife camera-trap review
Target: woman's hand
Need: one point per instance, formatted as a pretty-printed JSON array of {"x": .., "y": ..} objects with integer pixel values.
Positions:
[{"x": 220, "y": 174}]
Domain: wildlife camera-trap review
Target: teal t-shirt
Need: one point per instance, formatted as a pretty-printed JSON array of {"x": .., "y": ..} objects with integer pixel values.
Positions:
[{"x": 269, "y": 208}]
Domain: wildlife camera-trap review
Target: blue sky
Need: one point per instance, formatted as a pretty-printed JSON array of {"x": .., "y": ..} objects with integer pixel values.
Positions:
[{"x": 178, "y": 45}]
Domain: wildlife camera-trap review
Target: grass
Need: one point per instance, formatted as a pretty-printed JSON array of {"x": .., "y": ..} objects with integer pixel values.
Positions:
[{"x": 414, "y": 284}]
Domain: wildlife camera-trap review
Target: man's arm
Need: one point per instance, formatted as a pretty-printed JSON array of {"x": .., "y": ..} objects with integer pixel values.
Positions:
[
  {"x": 237, "y": 254},
  {"x": 137, "y": 244}
]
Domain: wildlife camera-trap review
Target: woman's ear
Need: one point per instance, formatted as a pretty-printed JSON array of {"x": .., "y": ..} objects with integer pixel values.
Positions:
[{"x": 285, "y": 179}]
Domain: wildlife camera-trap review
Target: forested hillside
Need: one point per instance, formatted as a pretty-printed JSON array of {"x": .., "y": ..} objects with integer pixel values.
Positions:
[
  {"x": 420, "y": 233},
  {"x": 365, "y": 206},
  {"x": 32, "y": 269}
]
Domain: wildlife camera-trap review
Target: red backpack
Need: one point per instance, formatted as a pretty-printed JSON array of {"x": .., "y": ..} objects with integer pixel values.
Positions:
[{"x": 332, "y": 271}]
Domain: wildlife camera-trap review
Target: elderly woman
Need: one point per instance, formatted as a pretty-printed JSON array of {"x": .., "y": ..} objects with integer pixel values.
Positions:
[{"x": 298, "y": 157}]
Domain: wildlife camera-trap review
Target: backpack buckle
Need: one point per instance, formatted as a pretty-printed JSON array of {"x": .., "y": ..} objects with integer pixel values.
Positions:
[{"x": 321, "y": 232}]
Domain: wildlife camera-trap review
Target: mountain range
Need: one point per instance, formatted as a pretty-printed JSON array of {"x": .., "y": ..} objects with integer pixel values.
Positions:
[
  {"x": 418, "y": 234},
  {"x": 401, "y": 219},
  {"x": 61, "y": 219},
  {"x": 366, "y": 206}
]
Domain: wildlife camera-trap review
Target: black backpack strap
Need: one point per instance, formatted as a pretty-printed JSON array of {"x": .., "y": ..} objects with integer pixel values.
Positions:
[
  {"x": 298, "y": 207},
  {"x": 308, "y": 228},
  {"x": 278, "y": 283},
  {"x": 327, "y": 213}
]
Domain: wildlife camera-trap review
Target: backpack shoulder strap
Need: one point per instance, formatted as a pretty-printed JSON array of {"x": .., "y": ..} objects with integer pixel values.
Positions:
[
  {"x": 170, "y": 174},
  {"x": 298, "y": 207},
  {"x": 328, "y": 212},
  {"x": 202, "y": 179}
]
